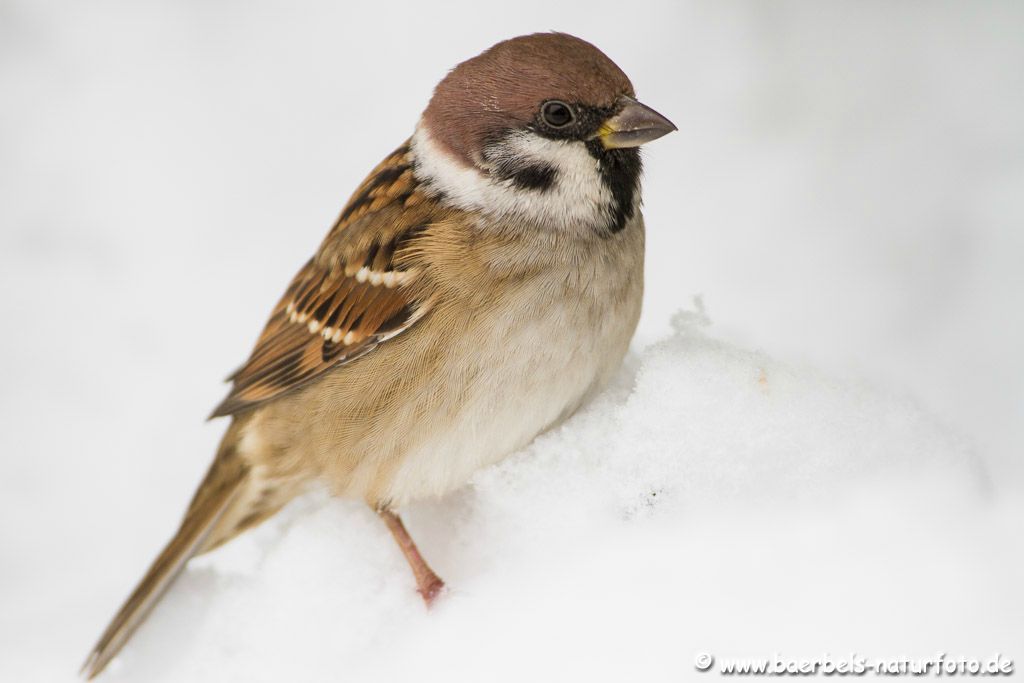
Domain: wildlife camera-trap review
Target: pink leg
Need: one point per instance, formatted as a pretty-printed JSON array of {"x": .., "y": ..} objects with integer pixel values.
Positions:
[{"x": 429, "y": 584}]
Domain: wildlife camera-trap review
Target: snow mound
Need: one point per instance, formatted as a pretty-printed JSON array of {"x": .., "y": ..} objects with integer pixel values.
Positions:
[{"x": 698, "y": 505}]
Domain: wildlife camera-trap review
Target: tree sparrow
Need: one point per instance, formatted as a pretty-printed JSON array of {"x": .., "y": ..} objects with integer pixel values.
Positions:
[{"x": 480, "y": 285}]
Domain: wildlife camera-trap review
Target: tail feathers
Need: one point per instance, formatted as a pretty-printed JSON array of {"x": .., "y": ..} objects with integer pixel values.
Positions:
[{"x": 193, "y": 537}]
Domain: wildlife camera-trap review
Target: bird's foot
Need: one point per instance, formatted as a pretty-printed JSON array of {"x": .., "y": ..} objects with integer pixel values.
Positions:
[{"x": 430, "y": 588}]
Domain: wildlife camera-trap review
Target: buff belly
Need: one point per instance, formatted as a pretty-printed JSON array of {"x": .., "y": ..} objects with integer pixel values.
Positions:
[
  {"x": 507, "y": 406},
  {"x": 524, "y": 391},
  {"x": 459, "y": 391}
]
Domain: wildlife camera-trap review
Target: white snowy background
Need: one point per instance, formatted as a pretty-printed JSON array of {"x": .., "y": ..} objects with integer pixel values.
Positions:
[{"x": 820, "y": 454}]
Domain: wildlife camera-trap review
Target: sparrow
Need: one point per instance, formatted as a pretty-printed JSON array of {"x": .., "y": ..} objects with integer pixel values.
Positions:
[{"x": 481, "y": 284}]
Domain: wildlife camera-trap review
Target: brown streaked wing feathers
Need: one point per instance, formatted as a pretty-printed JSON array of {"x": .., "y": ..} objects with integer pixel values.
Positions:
[{"x": 351, "y": 296}]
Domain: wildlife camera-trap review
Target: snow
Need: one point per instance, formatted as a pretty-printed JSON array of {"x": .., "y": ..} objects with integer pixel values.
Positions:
[
  {"x": 832, "y": 465},
  {"x": 710, "y": 499}
]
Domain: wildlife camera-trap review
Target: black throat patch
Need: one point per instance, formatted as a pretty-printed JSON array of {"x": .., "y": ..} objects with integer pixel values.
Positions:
[{"x": 620, "y": 171}]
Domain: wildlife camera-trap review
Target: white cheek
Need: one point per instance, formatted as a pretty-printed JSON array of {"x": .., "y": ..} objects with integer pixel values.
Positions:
[{"x": 578, "y": 199}]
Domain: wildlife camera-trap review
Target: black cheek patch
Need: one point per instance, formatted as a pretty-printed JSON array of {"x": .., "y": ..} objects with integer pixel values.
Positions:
[
  {"x": 518, "y": 171},
  {"x": 539, "y": 177}
]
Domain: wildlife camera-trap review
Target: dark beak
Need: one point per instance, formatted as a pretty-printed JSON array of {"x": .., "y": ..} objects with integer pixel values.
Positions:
[{"x": 634, "y": 125}]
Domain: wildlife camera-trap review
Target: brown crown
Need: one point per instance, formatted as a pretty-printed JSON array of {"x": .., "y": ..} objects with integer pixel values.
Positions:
[{"x": 504, "y": 86}]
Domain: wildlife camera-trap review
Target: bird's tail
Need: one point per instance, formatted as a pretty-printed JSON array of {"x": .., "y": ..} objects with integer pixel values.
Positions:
[{"x": 202, "y": 529}]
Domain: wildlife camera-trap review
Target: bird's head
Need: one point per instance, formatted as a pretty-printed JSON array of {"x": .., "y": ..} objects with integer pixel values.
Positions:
[{"x": 543, "y": 128}]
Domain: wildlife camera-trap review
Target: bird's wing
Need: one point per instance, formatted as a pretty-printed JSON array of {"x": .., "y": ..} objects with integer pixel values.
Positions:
[{"x": 359, "y": 290}]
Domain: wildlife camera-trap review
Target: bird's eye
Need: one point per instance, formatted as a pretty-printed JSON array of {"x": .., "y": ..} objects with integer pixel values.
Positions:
[{"x": 557, "y": 114}]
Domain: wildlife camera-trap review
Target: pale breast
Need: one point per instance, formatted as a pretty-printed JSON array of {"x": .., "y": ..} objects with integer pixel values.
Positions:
[
  {"x": 544, "y": 351},
  {"x": 476, "y": 380}
]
